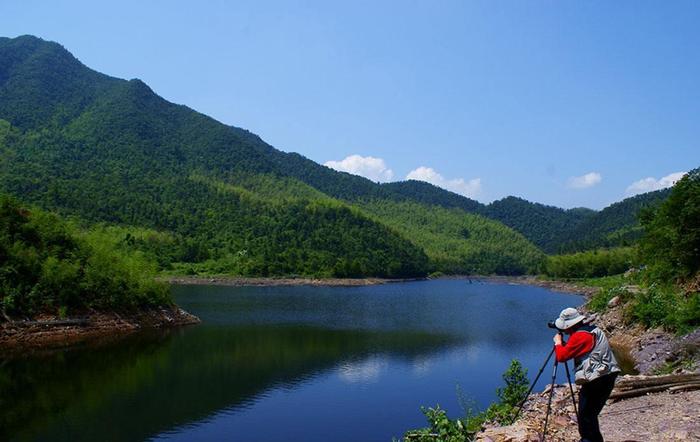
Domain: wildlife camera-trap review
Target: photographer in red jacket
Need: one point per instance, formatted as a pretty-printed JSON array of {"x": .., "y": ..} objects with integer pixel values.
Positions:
[{"x": 595, "y": 368}]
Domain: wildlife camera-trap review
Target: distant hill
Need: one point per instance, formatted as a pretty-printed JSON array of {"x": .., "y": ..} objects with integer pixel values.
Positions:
[
  {"x": 215, "y": 196},
  {"x": 543, "y": 225},
  {"x": 615, "y": 225}
]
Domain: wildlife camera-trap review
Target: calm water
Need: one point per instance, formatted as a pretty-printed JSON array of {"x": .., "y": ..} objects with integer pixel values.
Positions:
[{"x": 286, "y": 363}]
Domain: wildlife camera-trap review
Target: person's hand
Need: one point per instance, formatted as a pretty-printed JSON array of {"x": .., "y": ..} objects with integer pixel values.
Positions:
[{"x": 557, "y": 339}]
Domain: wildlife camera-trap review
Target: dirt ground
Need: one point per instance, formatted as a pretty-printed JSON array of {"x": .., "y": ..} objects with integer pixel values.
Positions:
[{"x": 658, "y": 417}]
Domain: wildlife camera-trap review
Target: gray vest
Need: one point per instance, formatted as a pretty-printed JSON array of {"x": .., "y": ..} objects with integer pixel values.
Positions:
[{"x": 596, "y": 363}]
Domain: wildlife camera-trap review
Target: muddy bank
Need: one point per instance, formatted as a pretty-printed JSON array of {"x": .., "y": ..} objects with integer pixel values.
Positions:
[
  {"x": 45, "y": 331},
  {"x": 271, "y": 282}
]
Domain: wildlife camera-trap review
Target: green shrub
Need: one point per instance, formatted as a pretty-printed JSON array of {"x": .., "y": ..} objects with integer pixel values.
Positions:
[
  {"x": 666, "y": 306},
  {"x": 442, "y": 428}
]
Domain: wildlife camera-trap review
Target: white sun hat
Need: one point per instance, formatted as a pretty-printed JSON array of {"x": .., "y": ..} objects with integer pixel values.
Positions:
[{"x": 568, "y": 318}]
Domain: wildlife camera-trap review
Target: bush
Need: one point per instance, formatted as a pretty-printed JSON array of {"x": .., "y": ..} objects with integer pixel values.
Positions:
[{"x": 667, "y": 307}]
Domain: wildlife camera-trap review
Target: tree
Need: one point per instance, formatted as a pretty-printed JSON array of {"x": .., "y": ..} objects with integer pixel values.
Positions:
[{"x": 671, "y": 241}]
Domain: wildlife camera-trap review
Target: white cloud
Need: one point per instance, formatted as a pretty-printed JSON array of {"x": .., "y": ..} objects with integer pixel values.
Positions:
[
  {"x": 650, "y": 183},
  {"x": 369, "y": 167},
  {"x": 470, "y": 188},
  {"x": 585, "y": 181}
]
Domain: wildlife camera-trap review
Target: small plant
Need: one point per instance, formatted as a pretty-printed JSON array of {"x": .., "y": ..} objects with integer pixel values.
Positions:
[
  {"x": 510, "y": 396},
  {"x": 63, "y": 312}
]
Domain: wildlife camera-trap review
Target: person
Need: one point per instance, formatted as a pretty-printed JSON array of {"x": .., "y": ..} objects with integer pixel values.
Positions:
[{"x": 595, "y": 368}]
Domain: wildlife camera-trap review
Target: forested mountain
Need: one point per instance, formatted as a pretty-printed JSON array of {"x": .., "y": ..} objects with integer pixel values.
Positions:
[{"x": 218, "y": 197}]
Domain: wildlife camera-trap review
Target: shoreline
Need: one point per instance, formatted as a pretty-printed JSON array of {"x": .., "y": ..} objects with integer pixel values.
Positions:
[
  {"x": 51, "y": 332},
  {"x": 533, "y": 280},
  {"x": 236, "y": 281},
  {"x": 48, "y": 332}
]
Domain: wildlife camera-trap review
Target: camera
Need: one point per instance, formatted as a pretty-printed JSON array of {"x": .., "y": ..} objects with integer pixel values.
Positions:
[{"x": 552, "y": 324}]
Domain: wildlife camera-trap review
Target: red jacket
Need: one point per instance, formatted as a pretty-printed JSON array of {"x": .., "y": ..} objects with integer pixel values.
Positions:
[{"x": 580, "y": 343}]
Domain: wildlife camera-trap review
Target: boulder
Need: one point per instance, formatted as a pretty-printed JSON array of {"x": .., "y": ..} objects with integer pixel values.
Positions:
[{"x": 614, "y": 302}]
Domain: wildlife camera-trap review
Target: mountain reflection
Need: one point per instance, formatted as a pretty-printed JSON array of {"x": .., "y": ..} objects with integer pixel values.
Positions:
[{"x": 156, "y": 381}]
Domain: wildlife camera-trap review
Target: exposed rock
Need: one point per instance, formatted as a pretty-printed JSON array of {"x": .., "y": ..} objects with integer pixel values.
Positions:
[{"x": 614, "y": 302}]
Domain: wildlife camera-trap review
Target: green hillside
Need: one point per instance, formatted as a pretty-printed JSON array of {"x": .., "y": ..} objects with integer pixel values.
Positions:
[
  {"x": 459, "y": 242},
  {"x": 112, "y": 151}
]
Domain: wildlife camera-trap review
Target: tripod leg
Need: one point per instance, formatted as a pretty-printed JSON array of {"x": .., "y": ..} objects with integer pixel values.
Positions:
[
  {"x": 522, "y": 403},
  {"x": 549, "y": 401},
  {"x": 571, "y": 388}
]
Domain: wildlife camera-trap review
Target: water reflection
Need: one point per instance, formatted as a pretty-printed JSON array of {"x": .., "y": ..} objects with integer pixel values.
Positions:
[
  {"x": 364, "y": 357},
  {"x": 366, "y": 371},
  {"x": 155, "y": 381}
]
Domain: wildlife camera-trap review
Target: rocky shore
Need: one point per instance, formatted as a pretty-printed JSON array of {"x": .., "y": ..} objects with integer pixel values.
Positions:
[{"x": 46, "y": 331}]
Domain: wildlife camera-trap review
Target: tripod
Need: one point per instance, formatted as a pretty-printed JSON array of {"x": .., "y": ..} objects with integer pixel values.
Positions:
[{"x": 551, "y": 391}]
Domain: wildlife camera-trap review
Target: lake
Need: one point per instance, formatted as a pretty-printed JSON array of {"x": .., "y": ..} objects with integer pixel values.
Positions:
[{"x": 287, "y": 363}]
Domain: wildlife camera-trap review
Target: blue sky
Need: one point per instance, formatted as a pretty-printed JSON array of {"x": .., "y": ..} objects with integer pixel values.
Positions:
[{"x": 576, "y": 103}]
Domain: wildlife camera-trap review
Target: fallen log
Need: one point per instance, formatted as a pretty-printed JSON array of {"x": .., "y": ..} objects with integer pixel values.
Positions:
[
  {"x": 630, "y": 393},
  {"x": 685, "y": 387},
  {"x": 631, "y": 382}
]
